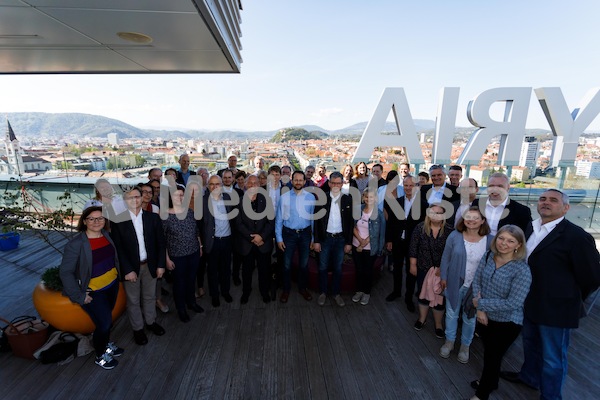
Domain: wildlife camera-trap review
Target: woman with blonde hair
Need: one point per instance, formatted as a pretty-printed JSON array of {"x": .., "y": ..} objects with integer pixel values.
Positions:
[
  {"x": 361, "y": 176},
  {"x": 426, "y": 249},
  {"x": 500, "y": 287}
]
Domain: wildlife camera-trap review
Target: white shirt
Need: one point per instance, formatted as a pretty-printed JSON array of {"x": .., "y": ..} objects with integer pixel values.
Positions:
[
  {"x": 437, "y": 194},
  {"x": 407, "y": 206},
  {"x": 138, "y": 225},
  {"x": 222, "y": 227},
  {"x": 493, "y": 214},
  {"x": 334, "y": 224},
  {"x": 540, "y": 232}
]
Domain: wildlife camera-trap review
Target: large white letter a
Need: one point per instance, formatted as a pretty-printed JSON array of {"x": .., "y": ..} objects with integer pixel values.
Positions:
[{"x": 394, "y": 99}]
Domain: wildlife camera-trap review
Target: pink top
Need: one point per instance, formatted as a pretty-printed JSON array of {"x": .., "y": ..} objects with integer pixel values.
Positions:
[{"x": 363, "y": 229}]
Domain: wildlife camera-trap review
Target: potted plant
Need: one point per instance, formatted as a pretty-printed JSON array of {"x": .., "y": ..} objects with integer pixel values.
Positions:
[{"x": 59, "y": 311}]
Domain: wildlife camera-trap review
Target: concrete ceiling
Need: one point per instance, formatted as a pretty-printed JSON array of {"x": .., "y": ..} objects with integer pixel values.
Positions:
[{"x": 80, "y": 36}]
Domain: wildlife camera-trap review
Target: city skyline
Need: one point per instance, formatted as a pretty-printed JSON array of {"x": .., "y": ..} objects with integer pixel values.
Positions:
[{"x": 327, "y": 63}]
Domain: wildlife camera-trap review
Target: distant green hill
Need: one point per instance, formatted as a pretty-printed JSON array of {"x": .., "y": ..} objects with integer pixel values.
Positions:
[{"x": 287, "y": 134}]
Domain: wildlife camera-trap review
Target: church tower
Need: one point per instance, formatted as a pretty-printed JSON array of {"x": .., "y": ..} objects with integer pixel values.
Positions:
[{"x": 13, "y": 152}]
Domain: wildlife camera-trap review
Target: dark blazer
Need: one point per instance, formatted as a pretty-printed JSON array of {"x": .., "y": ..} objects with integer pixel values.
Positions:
[
  {"x": 565, "y": 269},
  {"x": 320, "y": 225},
  {"x": 207, "y": 223},
  {"x": 396, "y": 225},
  {"x": 245, "y": 226},
  {"x": 76, "y": 266},
  {"x": 454, "y": 195},
  {"x": 179, "y": 178},
  {"x": 514, "y": 213},
  {"x": 125, "y": 239}
]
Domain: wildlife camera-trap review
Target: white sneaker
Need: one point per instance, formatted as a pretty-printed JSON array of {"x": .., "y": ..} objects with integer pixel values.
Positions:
[
  {"x": 321, "y": 299},
  {"x": 357, "y": 296},
  {"x": 446, "y": 349},
  {"x": 365, "y": 299},
  {"x": 463, "y": 354}
]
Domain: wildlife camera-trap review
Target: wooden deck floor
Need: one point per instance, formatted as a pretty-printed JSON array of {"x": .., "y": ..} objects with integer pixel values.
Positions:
[{"x": 274, "y": 351}]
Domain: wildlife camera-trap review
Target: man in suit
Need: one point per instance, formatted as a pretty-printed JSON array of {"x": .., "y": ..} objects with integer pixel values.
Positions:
[
  {"x": 255, "y": 226},
  {"x": 565, "y": 270},
  {"x": 231, "y": 166},
  {"x": 216, "y": 232},
  {"x": 236, "y": 197},
  {"x": 184, "y": 171},
  {"x": 467, "y": 189},
  {"x": 141, "y": 249},
  {"x": 499, "y": 209},
  {"x": 455, "y": 174},
  {"x": 333, "y": 237},
  {"x": 438, "y": 191},
  {"x": 403, "y": 217}
]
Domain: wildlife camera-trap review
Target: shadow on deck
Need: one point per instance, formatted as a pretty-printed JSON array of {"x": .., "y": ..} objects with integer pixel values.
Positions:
[{"x": 273, "y": 351}]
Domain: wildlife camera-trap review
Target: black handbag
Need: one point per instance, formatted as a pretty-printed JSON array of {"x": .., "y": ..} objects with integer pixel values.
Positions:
[{"x": 65, "y": 348}]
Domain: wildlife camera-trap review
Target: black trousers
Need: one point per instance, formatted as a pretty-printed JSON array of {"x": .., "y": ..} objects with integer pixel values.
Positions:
[
  {"x": 497, "y": 338},
  {"x": 401, "y": 268},
  {"x": 262, "y": 261},
  {"x": 219, "y": 267}
]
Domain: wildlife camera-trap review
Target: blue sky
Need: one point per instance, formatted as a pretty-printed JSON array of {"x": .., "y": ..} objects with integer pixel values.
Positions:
[{"x": 326, "y": 62}]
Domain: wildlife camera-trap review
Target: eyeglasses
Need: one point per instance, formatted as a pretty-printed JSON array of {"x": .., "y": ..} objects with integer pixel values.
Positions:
[
  {"x": 95, "y": 220},
  {"x": 133, "y": 197},
  {"x": 147, "y": 191}
]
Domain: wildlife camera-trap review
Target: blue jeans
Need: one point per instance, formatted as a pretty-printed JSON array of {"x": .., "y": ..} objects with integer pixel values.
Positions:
[
  {"x": 296, "y": 240},
  {"x": 100, "y": 312},
  {"x": 332, "y": 253},
  {"x": 545, "y": 351},
  {"x": 468, "y": 324}
]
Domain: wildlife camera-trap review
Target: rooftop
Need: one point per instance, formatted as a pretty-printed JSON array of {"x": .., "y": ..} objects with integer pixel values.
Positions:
[{"x": 273, "y": 351}]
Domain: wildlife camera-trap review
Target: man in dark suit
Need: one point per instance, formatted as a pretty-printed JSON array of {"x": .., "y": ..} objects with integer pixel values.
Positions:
[
  {"x": 499, "y": 209},
  {"x": 255, "y": 231},
  {"x": 438, "y": 191},
  {"x": 467, "y": 189},
  {"x": 403, "y": 217},
  {"x": 565, "y": 270},
  {"x": 141, "y": 249},
  {"x": 333, "y": 237},
  {"x": 184, "y": 171},
  {"x": 216, "y": 233},
  {"x": 236, "y": 195},
  {"x": 231, "y": 166}
]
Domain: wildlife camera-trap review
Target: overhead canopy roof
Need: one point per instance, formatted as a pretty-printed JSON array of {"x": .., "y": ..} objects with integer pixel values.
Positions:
[{"x": 119, "y": 36}]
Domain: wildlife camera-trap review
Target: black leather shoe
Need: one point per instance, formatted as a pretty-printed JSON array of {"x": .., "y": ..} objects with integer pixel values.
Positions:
[
  {"x": 156, "y": 329},
  {"x": 216, "y": 302},
  {"x": 410, "y": 306},
  {"x": 266, "y": 299},
  {"x": 244, "y": 299},
  {"x": 475, "y": 385},
  {"x": 515, "y": 378},
  {"x": 392, "y": 296},
  {"x": 196, "y": 308},
  {"x": 140, "y": 337},
  {"x": 183, "y": 316},
  {"x": 228, "y": 298}
]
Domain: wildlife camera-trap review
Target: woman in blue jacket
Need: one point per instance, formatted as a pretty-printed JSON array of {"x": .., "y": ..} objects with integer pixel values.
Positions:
[
  {"x": 464, "y": 249},
  {"x": 367, "y": 244}
]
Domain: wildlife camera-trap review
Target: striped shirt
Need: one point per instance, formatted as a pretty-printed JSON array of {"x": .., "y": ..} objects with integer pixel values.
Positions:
[{"x": 104, "y": 272}]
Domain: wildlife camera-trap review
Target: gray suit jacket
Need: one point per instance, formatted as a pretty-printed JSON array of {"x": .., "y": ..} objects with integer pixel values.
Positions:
[{"x": 76, "y": 266}]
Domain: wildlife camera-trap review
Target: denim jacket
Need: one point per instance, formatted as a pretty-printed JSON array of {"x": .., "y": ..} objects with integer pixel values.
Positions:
[{"x": 376, "y": 232}]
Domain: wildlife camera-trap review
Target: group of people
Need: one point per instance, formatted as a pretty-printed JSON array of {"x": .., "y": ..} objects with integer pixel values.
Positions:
[{"x": 483, "y": 261}]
